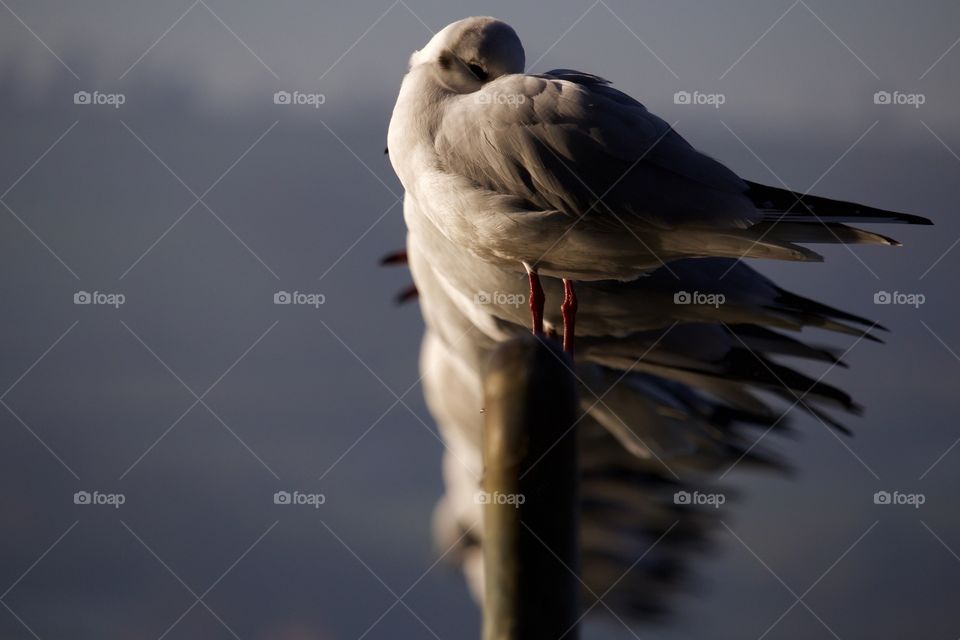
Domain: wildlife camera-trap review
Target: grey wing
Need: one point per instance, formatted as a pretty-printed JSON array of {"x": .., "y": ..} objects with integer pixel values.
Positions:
[{"x": 569, "y": 142}]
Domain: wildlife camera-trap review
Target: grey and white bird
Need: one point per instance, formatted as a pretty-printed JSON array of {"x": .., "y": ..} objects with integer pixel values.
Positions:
[
  {"x": 517, "y": 186},
  {"x": 560, "y": 174}
]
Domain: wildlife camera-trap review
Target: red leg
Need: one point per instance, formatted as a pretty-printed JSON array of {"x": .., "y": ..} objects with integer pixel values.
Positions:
[
  {"x": 536, "y": 302},
  {"x": 396, "y": 257},
  {"x": 408, "y": 294},
  {"x": 569, "y": 311}
]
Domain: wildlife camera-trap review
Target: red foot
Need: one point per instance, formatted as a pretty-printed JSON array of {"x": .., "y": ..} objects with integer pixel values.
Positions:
[
  {"x": 569, "y": 311},
  {"x": 408, "y": 294},
  {"x": 397, "y": 257},
  {"x": 536, "y": 303}
]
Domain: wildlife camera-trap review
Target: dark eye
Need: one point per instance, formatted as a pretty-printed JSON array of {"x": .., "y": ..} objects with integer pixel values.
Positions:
[{"x": 478, "y": 72}]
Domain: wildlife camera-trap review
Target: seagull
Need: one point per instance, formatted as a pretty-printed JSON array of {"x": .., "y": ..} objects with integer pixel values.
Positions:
[{"x": 560, "y": 174}]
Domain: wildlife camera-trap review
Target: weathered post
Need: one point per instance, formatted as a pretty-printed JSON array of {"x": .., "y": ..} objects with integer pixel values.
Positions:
[{"x": 530, "y": 536}]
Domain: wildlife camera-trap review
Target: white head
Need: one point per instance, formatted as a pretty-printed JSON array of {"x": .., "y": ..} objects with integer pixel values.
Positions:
[{"x": 471, "y": 52}]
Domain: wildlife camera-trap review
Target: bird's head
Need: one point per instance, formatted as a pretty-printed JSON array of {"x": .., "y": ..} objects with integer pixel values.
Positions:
[{"x": 469, "y": 53}]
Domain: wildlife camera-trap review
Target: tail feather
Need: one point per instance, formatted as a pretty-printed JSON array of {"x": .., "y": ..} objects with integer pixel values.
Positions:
[
  {"x": 736, "y": 243},
  {"x": 826, "y": 232}
]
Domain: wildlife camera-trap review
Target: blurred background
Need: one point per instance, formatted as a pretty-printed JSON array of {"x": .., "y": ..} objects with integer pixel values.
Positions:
[{"x": 181, "y": 185}]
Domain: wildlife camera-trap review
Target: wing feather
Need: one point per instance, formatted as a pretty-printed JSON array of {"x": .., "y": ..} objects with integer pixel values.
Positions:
[{"x": 567, "y": 140}]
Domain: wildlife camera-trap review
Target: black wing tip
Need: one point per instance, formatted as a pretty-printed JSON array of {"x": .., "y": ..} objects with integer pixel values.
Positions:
[
  {"x": 908, "y": 218},
  {"x": 785, "y": 201}
]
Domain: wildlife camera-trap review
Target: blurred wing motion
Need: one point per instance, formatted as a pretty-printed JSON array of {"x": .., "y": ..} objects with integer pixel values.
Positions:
[{"x": 671, "y": 393}]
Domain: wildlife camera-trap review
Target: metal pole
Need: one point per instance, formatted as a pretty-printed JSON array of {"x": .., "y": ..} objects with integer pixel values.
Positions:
[{"x": 530, "y": 538}]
